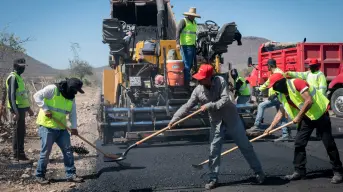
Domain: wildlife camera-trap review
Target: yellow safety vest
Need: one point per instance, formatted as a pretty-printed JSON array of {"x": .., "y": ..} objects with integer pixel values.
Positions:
[
  {"x": 22, "y": 98},
  {"x": 265, "y": 85},
  {"x": 244, "y": 90},
  {"x": 59, "y": 107},
  {"x": 318, "y": 108},
  {"x": 316, "y": 79},
  {"x": 188, "y": 34}
]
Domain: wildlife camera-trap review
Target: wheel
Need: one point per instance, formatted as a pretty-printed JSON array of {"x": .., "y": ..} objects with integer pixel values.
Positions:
[{"x": 337, "y": 102}]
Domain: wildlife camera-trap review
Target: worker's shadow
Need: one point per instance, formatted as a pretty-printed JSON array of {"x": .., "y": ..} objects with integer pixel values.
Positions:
[
  {"x": 279, "y": 179},
  {"x": 96, "y": 175}
]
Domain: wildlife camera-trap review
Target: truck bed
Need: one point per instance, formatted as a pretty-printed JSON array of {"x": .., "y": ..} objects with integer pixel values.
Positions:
[{"x": 296, "y": 58}]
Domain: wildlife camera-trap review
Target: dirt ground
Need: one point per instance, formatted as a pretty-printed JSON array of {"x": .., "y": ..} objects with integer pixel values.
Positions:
[{"x": 15, "y": 177}]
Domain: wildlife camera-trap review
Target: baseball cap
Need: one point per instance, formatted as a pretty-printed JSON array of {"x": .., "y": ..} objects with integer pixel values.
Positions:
[
  {"x": 76, "y": 84},
  {"x": 20, "y": 62},
  {"x": 205, "y": 71},
  {"x": 313, "y": 61},
  {"x": 274, "y": 78}
]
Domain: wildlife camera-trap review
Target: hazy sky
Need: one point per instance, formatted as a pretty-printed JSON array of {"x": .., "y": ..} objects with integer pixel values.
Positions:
[{"x": 53, "y": 24}]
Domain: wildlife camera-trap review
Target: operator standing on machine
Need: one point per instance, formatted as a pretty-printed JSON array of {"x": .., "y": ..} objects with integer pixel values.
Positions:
[
  {"x": 186, "y": 41},
  {"x": 213, "y": 93}
]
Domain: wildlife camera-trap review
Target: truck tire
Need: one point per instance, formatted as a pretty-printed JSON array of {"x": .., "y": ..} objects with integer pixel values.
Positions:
[{"x": 337, "y": 102}]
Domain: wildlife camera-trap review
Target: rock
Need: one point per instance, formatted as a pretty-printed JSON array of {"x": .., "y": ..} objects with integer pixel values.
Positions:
[
  {"x": 3, "y": 134},
  {"x": 2, "y": 140},
  {"x": 25, "y": 176},
  {"x": 35, "y": 164},
  {"x": 27, "y": 170},
  {"x": 30, "y": 150},
  {"x": 53, "y": 191},
  {"x": 72, "y": 185}
]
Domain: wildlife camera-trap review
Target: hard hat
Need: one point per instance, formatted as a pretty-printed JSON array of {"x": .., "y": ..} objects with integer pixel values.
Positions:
[{"x": 313, "y": 62}]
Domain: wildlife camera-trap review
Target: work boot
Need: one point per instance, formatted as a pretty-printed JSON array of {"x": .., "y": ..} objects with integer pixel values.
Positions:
[
  {"x": 42, "y": 180},
  {"x": 295, "y": 176},
  {"x": 260, "y": 177},
  {"x": 284, "y": 138},
  {"x": 75, "y": 179},
  {"x": 211, "y": 184},
  {"x": 337, "y": 178}
]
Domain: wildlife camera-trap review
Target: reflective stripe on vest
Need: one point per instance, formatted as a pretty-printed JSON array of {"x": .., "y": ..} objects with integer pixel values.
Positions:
[
  {"x": 188, "y": 34},
  {"x": 244, "y": 89},
  {"x": 318, "y": 108},
  {"x": 22, "y": 98},
  {"x": 59, "y": 107}
]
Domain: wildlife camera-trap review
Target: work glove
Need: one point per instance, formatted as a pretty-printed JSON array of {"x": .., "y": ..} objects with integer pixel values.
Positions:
[{"x": 48, "y": 114}]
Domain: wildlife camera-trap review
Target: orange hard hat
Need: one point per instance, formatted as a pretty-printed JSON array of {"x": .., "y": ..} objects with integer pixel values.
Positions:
[{"x": 314, "y": 61}]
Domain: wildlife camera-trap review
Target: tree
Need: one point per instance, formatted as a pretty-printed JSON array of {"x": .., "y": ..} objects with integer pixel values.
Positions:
[{"x": 79, "y": 67}]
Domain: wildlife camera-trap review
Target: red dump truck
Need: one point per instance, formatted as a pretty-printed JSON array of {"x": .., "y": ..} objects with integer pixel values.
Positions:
[{"x": 295, "y": 57}]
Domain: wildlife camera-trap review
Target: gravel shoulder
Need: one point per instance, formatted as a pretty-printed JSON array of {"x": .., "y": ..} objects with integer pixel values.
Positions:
[{"x": 14, "y": 177}]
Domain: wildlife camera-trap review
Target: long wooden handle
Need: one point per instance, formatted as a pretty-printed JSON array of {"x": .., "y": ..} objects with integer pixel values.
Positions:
[
  {"x": 252, "y": 140},
  {"x": 166, "y": 128},
  {"x": 85, "y": 140}
]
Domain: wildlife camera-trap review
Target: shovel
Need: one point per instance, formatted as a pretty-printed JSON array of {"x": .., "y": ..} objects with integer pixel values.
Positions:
[
  {"x": 123, "y": 155},
  {"x": 200, "y": 166},
  {"x": 109, "y": 156}
]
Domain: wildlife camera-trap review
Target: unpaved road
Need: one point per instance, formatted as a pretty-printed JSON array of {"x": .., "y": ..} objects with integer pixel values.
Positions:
[{"x": 11, "y": 180}]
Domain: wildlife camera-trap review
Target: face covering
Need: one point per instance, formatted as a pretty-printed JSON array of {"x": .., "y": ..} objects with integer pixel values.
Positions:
[
  {"x": 314, "y": 68},
  {"x": 67, "y": 91},
  {"x": 19, "y": 69},
  {"x": 281, "y": 86}
]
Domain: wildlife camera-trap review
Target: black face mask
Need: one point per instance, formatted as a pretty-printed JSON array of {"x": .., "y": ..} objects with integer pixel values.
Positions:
[
  {"x": 67, "y": 91},
  {"x": 281, "y": 86},
  {"x": 19, "y": 69},
  {"x": 314, "y": 68}
]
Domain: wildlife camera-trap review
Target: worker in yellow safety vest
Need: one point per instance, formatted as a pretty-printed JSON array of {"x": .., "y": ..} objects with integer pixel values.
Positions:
[
  {"x": 308, "y": 108},
  {"x": 57, "y": 100},
  {"x": 272, "y": 101},
  {"x": 186, "y": 41},
  {"x": 241, "y": 87},
  {"x": 314, "y": 77},
  {"x": 18, "y": 104}
]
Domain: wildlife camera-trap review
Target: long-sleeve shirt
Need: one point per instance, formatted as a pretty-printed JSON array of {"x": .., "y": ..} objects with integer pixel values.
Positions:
[
  {"x": 217, "y": 100},
  {"x": 11, "y": 93},
  {"x": 48, "y": 93},
  {"x": 316, "y": 79}
]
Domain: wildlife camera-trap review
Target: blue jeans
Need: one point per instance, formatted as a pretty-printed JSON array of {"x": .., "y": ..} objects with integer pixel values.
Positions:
[
  {"x": 48, "y": 137},
  {"x": 268, "y": 104},
  {"x": 188, "y": 57}
]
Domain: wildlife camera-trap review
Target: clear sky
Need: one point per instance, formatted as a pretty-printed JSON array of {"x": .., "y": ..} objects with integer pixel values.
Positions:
[{"x": 54, "y": 24}]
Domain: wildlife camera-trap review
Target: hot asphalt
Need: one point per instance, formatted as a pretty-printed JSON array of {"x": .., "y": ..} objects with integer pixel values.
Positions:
[{"x": 167, "y": 167}]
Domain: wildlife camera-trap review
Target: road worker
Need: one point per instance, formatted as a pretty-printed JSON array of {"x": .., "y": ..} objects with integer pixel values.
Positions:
[
  {"x": 272, "y": 101},
  {"x": 57, "y": 100},
  {"x": 18, "y": 104},
  {"x": 242, "y": 89},
  {"x": 186, "y": 41},
  {"x": 314, "y": 77},
  {"x": 213, "y": 94},
  {"x": 308, "y": 108}
]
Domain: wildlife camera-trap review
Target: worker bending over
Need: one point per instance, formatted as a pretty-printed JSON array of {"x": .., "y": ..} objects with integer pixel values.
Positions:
[
  {"x": 314, "y": 78},
  {"x": 186, "y": 41},
  {"x": 308, "y": 108},
  {"x": 272, "y": 101},
  {"x": 212, "y": 92},
  {"x": 57, "y": 100}
]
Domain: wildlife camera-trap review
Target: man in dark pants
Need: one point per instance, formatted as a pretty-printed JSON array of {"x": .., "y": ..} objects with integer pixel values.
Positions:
[
  {"x": 308, "y": 108},
  {"x": 18, "y": 104},
  {"x": 186, "y": 41}
]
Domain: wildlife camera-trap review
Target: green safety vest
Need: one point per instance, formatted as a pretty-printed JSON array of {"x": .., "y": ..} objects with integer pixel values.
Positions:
[
  {"x": 244, "y": 90},
  {"x": 316, "y": 79},
  {"x": 22, "y": 98},
  {"x": 265, "y": 85},
  {"x": 188, "y": 34},
  {"x": 59, "y": 107},
  {"x": 318, "y": 108}
]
